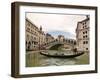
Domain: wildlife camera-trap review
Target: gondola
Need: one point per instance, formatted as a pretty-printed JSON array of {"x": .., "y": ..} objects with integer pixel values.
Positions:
[{"x": 62, "y": 55}]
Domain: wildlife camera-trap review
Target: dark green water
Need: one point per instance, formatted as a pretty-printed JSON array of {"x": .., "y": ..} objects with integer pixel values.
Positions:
[{"x": 35, "y": 59}]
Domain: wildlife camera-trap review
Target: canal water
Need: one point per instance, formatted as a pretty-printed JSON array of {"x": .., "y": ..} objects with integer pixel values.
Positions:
[{"x": 35, "y": 59}]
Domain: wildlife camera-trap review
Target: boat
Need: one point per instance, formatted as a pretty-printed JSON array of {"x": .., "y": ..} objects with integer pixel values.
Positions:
[{"x": 61, "y": 55}]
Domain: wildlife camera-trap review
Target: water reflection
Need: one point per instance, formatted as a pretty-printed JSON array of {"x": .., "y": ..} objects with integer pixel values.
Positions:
[
  {"x": 56, "y": 61},
  {"x": 36, "y": 59}
]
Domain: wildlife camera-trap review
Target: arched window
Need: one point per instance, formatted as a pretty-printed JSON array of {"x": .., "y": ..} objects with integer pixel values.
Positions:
[
  {"x": 26, "y": 42},
  {"x": 27, "y": 37},
  {"x": 71, "y": 41},
  {"x": 29, "y": 43},
  {"x": 74, "y": 42},
  {"x": 68, "y": 41}
]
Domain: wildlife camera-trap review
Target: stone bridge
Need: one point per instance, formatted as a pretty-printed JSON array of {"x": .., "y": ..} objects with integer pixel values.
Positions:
[{"x": 67, "y": 44}]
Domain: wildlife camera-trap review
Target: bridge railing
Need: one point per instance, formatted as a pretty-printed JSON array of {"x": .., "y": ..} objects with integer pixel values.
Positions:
[
  {"x": 47, "y": 46},
  {"x": 61, "y": 42}
]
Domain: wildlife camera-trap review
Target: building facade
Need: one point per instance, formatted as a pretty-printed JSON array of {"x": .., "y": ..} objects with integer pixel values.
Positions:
[
  {"x": 61, "y": 38},
  {"x": 35, "y": 37},
  {"x": 49, "y": 38},
  {"x": 42, "y": 37},
  {"x": 82, "y": 35}
]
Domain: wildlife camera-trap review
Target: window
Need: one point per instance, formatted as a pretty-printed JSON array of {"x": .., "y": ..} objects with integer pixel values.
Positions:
[
  {"x": 34, "y": 38},
  {"x": 83, "y": 42},
  {"x": 28, "y": 29},
  {"x": 31, "y": 30},
  {"x": 86, "y": 36},
  {"x": 31, "y": 37},
  {"x": 86, "y": 42},
  {"x": 27, "y": 36},
  {"x": 84, "y": 23},
  {"x": 85, "y": 32},
  {"x": 26, "y": 42},
  {"x": 86, "y": 48},
  {"x": 28, "y": 24}
]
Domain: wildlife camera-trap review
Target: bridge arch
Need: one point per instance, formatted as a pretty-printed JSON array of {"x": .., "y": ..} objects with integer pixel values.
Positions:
[{"x": 65, "y": 45}]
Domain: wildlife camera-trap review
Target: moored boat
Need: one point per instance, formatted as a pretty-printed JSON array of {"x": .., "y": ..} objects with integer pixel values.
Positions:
[{"x": 62, "y": 55}]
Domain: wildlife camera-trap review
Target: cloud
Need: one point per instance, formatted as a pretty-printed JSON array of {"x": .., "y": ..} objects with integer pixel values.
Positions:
[
  {"x": 53, "y": 22},
  {"x": 66, "y": 34}
]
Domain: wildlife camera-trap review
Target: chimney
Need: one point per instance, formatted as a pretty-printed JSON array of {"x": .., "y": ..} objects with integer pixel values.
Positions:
[
  {"x": 87, "y": 16},
  {"x": 40, "y": 28}
]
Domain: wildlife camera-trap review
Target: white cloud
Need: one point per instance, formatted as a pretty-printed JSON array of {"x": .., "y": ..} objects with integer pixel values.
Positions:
[{"x": 56, "y": 22}]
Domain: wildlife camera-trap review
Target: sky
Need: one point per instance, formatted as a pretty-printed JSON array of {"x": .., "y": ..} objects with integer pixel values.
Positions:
[{"x": 56, "y": 22}]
